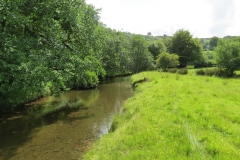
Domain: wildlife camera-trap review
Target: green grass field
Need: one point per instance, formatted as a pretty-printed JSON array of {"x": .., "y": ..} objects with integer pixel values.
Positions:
[{"x": 175, "y": 116}]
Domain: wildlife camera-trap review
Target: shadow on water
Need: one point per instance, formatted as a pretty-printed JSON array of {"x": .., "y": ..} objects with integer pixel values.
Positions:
[{"x": 62, "y": 127}]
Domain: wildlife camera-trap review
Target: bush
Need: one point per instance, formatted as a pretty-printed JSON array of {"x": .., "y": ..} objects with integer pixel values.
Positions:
[
  {"x": 190, "y": 67},
  {"x": 183, "y": 71},
  {"x": 220, "y": 72},
  {"x": 200, "y": 72},
  {"x": 211, "y": 72},
  {"x": 167, "y": 60},
  {"x": 172, "y": 70}
]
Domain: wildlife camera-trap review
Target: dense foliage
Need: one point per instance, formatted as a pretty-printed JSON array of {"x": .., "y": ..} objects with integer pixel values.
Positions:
[
  {"x": 213, "y": 42},
  {"x": 47, "y": 47},
  {"x": 116, "y": 53},
  {"x": 188, "y": 48},
  {"x": 156, "y": 48},
  {"x": 141, "y": 57},
  {"x": 166, "y": 60},
  {"x": 228, "y": 55}
]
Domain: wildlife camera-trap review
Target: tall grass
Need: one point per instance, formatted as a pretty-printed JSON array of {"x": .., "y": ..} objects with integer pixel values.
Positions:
[
  {"x": 211, "y": 72},
  {"x": 182, "y": 71},
  {"x": 176, "y": 117},
  {"x": 179, "y": 71}
]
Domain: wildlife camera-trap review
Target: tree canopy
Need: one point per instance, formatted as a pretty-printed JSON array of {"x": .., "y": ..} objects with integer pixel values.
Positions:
[
  {"x": 47, "y": 47},
  {"x": 213, "y": 42},
  {"x": 228, "y": 55},
  {"x": 188, "y": 48},
  {"x": 156, "y": 48},
  {"x": 141, "y": 57},
  {"x": 116, "y": 53}
]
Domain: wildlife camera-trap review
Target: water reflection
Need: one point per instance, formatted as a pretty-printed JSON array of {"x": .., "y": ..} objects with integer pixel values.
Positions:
[{"x": 62, "y": 127}]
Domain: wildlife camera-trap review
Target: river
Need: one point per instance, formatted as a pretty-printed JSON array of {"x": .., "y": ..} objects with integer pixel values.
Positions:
[{"x": 62, "y": 127}]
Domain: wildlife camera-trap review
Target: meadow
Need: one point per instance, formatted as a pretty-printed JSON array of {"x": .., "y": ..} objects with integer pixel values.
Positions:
[{"x": 174, "y": 116}]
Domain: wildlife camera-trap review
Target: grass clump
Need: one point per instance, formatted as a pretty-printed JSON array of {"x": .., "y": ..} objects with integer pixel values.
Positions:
[
  {"x": 172, "y": 70},
  {"x": 200, "y": 72},
  {"x": 176, "y": 118},
  {"x": 211, "y": 72},
  {"x": 183, "y": 71}
]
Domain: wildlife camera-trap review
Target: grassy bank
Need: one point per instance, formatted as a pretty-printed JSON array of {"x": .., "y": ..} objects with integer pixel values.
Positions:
[{"x": 175, "y": 116}]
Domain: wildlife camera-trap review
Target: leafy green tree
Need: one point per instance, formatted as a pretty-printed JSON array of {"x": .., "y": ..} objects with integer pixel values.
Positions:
[
  {"x": 188, "y": 48},
  {"x": 140, "y": 56},
  {"x": 47, "y": 45},
  {"x": 167, "y": 60},
  {"x": 228, "y": 55},
  {"x": 213, "y": 42},
  {"x": 167, "y": 41},
  {"x": 116, "y": 53},
  {"x": 205, "y": 43},
  {"x": 156, "y": 48}
]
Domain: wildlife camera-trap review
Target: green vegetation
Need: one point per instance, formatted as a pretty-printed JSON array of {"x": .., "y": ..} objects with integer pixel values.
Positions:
[
  {"x": 156, "y": 48},
  {"x": 116, "y": 53},
  {"x": 141, "y": 57},
  {"x": 211, "y": 72},
  {"x": 49, "y": 47},
  {"x": 189, "y": 49},
  {"x": 209, "y": 58},
  {"x": 175, "y": 117},
  {"x": 228, "y": 55},
  {"x": 205, "y": 43},
  {"x": 167, "y": 60},
  {"x": 213, "y": 42}
]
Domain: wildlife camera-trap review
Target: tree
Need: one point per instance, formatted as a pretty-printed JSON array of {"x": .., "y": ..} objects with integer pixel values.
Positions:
[
  {"x": 167, "y": 41},
  {"x": 205, "y": 43},
  {"x": 213, "y": 42},
  {"x": 156, "y": 48},
  {"x": 47, "y": 45},
  {"x": 167, "y": 60},
  {"x": 140, "y": 56},
  {"x": 188, "y": 48},
  {"x": 228, "y": 55},
  {"x": 116, "y": 53},
  {"x": 149, "y": 34}
]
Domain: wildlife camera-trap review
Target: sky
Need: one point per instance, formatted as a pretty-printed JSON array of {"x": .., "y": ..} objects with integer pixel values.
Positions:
[{"x": 203, "y": 18}]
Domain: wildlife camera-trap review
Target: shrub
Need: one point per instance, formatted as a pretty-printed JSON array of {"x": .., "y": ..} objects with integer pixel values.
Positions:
[
  {"x": 211, "y": 72},
  {"x": 183, "y": 71},
  {"x": 167, "y": 60},
  {"x": 200, "y": 72},
  {"x": 190, "y": 67},
  {"x": 172, "y": 70}
]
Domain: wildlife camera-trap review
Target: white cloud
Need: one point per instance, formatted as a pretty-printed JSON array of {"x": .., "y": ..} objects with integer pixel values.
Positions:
[{"x": 203, "y": 18}]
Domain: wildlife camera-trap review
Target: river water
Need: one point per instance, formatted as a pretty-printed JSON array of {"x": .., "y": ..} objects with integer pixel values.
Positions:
[{"x": 64, "y": 127}]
